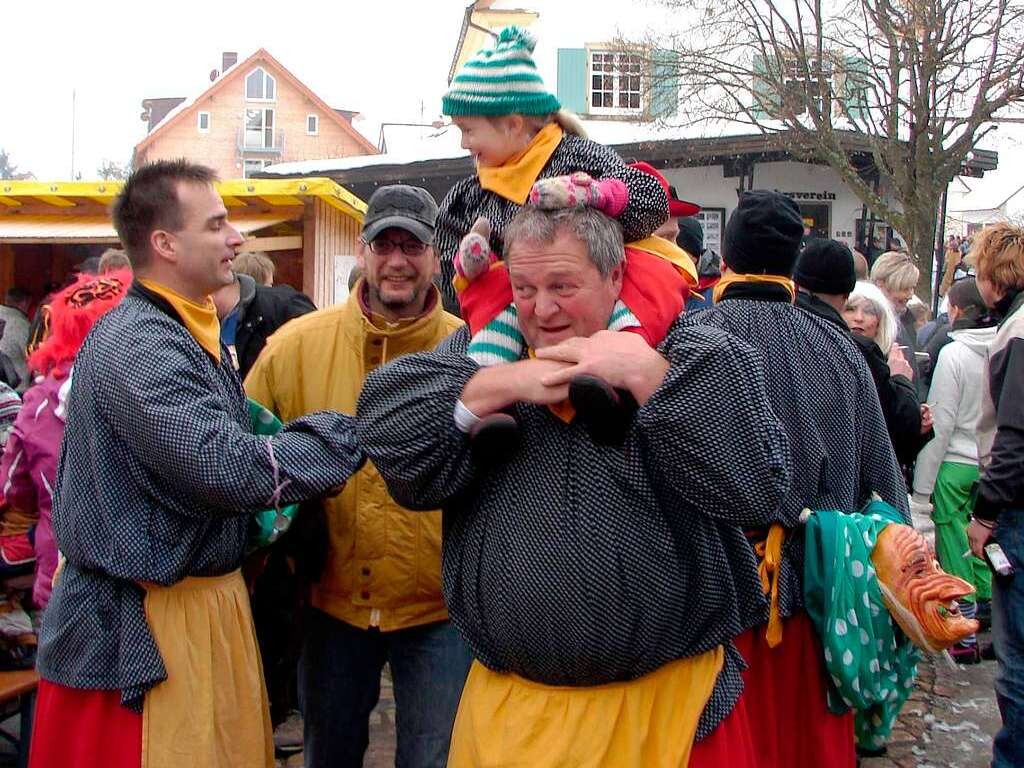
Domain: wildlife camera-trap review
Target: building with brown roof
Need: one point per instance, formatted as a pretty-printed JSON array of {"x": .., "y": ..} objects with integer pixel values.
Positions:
[{"x": 256, "y": 113}]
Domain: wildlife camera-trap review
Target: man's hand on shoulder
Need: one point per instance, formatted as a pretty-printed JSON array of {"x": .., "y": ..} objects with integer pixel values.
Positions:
[
  {"x": 496, "y": 387},
  {"x": 623, "y": 360}
]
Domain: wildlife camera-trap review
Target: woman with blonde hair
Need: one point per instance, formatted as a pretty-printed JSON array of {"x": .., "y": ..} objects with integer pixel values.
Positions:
[
  {"x": 870, "y": 316},
  {"x": 896, "y": 274}
]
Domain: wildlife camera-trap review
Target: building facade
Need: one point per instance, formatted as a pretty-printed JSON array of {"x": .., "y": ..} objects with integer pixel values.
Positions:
[
  {"x": 256, "y": 113},
  {"x": 627, "y": 99}
]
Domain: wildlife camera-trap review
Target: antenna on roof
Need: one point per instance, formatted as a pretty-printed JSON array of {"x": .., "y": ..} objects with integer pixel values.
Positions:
[{"x": 214, "y": 74}]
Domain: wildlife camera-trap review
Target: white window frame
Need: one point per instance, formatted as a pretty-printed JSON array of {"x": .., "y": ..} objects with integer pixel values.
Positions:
[
  {"x": 266, "y": 76},
  {"x": 263, "y": 163},
  {"x": 263, "y": 129},
  {"x": 316, "y": 125},
  {"x": 618, "y": 79},
  {"x": 793, "y": 77},
  {"x": 199, "y": 122}
]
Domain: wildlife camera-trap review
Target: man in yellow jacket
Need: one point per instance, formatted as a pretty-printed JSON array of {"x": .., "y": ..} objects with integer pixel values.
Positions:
[{"x": 379, "y": 597}]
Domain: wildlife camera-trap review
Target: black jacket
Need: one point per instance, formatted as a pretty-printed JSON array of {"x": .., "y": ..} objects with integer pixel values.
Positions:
[
  {"x": 936, "y": 341},
  {"x": 262, "y": 311},
  {"x": 1001, "y": 425},
  {"x": 908, "y": 338},
  {"x": 896, "y": 394}
]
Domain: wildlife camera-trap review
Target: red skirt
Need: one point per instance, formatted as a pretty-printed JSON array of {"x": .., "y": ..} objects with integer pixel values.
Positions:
[
  {"x": 784, "y": 693},
  {"x": 83, "y": 729},
  {"x": 730, "y": 745}
]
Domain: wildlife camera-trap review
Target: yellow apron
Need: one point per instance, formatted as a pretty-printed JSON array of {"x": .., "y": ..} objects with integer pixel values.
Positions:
[
  {"x": 505, "y": 720},
  {"x": 212, "y": 710}
]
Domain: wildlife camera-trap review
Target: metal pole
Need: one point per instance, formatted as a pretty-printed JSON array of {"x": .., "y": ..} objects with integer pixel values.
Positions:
[
  {"x": 939, "y": 256},
  {"x": 72, "y": 134}
]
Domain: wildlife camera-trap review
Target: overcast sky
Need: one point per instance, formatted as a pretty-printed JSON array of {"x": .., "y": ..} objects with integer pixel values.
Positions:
[
  {"x": 382, "y": 57},
  {"x": 386, "y": 58}
]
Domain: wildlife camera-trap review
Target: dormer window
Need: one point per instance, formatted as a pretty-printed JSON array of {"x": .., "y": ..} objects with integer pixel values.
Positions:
[{"x": 259, "y": 86}]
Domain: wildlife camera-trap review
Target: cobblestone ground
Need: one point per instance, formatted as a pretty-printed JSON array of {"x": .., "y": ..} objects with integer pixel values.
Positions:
[{"x": 949, "y": 720}]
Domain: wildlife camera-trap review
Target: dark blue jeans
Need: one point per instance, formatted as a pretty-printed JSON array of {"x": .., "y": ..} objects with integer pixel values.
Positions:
[
  {"x": 1008, "y": 641},
  {"x": 339, "y": 685}
]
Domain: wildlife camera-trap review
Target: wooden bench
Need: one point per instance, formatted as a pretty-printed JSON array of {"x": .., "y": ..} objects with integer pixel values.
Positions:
[{"x": 18, "y": 696}]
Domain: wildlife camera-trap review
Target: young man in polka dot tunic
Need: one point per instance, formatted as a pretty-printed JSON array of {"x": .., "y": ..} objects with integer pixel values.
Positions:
[
  {"x": 588, "y": 579},
  {"x": 821, "y": 390},
  {"x": 149, "y": 627}
]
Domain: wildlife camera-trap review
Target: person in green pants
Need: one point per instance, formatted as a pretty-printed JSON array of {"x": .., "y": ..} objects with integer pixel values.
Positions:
[
  {"x": 947, "y": 467},
  {"x": 952, "y": 502}
]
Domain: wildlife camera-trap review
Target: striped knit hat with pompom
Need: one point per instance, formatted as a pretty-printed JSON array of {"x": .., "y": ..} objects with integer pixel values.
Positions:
[{"x": 501, "y": 81}]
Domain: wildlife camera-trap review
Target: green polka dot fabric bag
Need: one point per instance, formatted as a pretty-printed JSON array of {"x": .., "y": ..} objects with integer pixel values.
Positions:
[
  {"x": 269, "y": 524},
  {"x": 870, "y": 662}
]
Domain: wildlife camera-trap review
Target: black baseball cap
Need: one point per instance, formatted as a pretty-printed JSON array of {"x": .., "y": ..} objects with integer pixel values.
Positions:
[{"x": 405, "y": 207}]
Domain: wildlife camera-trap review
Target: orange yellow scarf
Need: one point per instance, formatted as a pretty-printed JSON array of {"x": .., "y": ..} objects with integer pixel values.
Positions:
[
  {"x": 670, "y": 252},
  {"x": 200, "y": 319},
  {"x": 514, "y": 179},
  {"x": 731, "y": 278}
]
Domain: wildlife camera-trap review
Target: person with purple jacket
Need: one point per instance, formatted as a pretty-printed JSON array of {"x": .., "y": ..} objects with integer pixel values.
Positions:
[{"x": 29, "y": 465}]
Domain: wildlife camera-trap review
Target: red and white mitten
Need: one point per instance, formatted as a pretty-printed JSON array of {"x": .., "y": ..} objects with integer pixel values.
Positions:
[
  {"x": 475, "y": 256},
  {"x": 609, "y": 196}
]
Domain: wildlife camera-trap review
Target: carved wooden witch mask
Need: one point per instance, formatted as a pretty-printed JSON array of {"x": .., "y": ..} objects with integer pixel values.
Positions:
[{"x": 921, "y": 597}]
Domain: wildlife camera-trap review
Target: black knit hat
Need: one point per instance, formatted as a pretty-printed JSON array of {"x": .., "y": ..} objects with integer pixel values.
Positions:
[
  {"x": 691, "y": 236},
  {"x": 826, "y": 266},
  {"x": 763, "y": 234}
]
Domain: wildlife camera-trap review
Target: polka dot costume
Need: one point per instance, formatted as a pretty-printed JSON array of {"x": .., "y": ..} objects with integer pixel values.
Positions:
[
  {"x": 823, "y": 394},
  {"x": 871, "y": 665},
  {"x": 158, "y": 477},
  {"x": 577, "y": 564}
]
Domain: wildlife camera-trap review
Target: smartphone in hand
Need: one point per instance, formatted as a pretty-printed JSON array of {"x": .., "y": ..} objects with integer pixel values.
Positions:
[{"x": 998, "y": 560}]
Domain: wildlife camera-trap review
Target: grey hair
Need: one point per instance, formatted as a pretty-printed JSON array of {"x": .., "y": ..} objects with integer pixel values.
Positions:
[
  {"x": 874, "y": 302},
  {"x": 601, "y": 235}
]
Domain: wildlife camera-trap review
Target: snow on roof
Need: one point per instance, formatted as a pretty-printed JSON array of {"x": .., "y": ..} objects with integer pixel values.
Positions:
[
  {"x": 437, "y": 145},
  {"x": 994, "y": 190},
  {"x": 170, "y": 115},
  {"x": 444, "y": 143}
]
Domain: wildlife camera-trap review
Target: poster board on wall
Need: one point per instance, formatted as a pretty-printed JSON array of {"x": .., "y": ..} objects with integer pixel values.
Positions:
[
  {"x": 713, "y": 222},
  {"x": 343, "y": 266}
]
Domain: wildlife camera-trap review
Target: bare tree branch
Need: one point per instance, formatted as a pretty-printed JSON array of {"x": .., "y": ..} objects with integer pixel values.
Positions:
[{"x": 916, "y": 82}]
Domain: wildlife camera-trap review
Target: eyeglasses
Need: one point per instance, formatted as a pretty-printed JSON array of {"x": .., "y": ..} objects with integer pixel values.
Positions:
[{"x": 384, "y": 247}]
